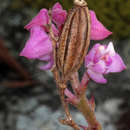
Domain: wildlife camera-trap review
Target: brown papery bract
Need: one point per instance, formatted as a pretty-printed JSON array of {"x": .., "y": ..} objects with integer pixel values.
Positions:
[{"x": 74, "y": 41}]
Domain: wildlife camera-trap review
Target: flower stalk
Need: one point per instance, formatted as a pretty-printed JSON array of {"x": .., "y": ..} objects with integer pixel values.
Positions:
[
  {"x": 83, "y": 105},
  {"x": 62, "y": 40},
  {"x": 61, "y": 87},
  {"x": 61, "y": 84}
]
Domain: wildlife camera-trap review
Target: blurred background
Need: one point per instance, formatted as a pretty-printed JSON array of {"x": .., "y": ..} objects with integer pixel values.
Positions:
[{"x": 28, "y": 97}]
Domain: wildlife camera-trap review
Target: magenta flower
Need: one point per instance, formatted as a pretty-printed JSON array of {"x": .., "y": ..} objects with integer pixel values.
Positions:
[
  {"x": 98, "y": 31},
  {"x": 38, "y": 46},
  {"x": 41, "y": 19},
  {"x": 58, "y": 15},
  {"x": 102, "y": 60}
]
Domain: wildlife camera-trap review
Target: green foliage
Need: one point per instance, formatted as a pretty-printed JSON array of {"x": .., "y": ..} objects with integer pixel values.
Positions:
[
  {"x": 38, "y": 4},
  {"x": 114, "y": 14}
]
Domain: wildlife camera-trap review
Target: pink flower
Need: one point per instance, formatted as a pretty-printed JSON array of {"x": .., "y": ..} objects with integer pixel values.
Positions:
[
  {"x": 102, "y": 60},
  {"x": 39, "y": 46},
  {"x": 58, "y": 15},
  {"x": 41, "y": 19},
  {"x": 98, "y": 31}
]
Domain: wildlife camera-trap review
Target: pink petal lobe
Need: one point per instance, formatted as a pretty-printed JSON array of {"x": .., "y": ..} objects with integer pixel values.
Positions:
[
  {"x": 40, "y": 19},
  {"x": 91, "y": 55},
  {"x": 117, "y": 64},
  {"x": 100, "y": 67},
  {"x": 57, "y": 5},
  {"x": 58, "y": 15},
  {"x": 99, "y": 53},
  {"x": 110, "y": 49},
  {"x": 71, "y": 98},
  {"x": 38, "y": 44},
  {"x": 108, "y": 60},
  {"x": 47, "y": 66},
  {"x": 69, "y": 94},
  {"x": 97, "y": 77},
  {"x": 98, "y": 31},
  {"x": 45, "y": 58},
  {"x": 50, "y": 62}
]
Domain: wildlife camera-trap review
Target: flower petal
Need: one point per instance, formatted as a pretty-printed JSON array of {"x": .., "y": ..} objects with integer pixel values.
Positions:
[
  {"x": 97, "y": 77},
  {"x": 117, "y": 64},
  {"x": 68, "y": 93},
  {"x": 102, "y": 60},
  {"x": 58, "y": 15},
  {"x": 91, "y": 55},
  {"x": 45, "y": 58},
  {"x": 38, "y": 44},
  {"x": 100, "y": 67},
  {"x": 110, "y": 49},
  {"x": 98, "y": 31},
  {"x": 99, "y": 53},
  {"x": 57, "y": 5},
  {"x": 40, "y": 19},
  {"x": 48, "y": 66}
]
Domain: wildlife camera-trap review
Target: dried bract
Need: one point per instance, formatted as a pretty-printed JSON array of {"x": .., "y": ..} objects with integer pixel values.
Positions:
[{"x": 74, "y": 40}]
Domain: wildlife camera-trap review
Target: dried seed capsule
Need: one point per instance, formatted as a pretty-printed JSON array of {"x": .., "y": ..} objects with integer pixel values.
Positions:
[{"x": 74, "y": 39}]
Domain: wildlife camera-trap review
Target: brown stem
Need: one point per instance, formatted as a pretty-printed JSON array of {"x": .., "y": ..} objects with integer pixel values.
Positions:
[
  {"x": 61, "y": 87},
  {"x": 88, "y": 113},
  {"x": 83, "y": 104},
  {"x": 68, "y": 120},
  {"x": 61, "y": 84}
]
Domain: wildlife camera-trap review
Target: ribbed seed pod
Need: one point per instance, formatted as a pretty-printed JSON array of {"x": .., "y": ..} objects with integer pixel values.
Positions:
[{"x": 74, "y": 40}]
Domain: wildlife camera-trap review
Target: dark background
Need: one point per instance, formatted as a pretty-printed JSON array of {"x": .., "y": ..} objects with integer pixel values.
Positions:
[{"x": 25, "y": 91}]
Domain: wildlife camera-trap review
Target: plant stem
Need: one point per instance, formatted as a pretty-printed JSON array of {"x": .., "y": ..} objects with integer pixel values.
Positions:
[
  {"x": 88, "y": 113},
  {"x": 83, "y": 105},
  {"x": 61, "y": 86}
]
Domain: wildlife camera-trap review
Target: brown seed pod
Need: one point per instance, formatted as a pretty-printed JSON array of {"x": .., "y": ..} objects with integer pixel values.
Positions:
[{"x": 74, "y": 39}]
